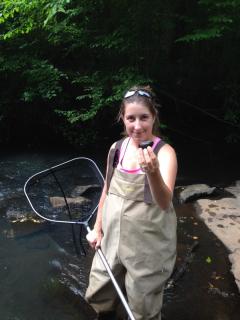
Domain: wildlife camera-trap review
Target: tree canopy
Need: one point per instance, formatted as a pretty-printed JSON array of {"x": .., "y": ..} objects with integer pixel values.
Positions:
[{"x": 65, "y": 64}]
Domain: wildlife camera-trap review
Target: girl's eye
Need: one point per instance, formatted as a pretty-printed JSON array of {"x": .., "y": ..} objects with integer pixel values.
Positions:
[
  {"x": 144, "y": 117},
  {"x": 130, "y": 118}
]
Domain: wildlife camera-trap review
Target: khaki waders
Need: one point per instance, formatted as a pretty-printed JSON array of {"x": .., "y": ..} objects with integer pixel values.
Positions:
[{"x": 139, "y": 243}]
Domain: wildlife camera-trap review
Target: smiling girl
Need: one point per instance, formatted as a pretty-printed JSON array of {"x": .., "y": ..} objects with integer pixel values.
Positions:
[{"x": 136, "y": 222}]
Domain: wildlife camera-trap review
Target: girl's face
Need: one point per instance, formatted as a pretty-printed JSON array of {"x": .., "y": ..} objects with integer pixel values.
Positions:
[{"x": 138, "y": 121}]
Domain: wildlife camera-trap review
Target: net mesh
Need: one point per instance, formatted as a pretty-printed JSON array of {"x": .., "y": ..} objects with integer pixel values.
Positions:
[{"x": 67, "y": 192}]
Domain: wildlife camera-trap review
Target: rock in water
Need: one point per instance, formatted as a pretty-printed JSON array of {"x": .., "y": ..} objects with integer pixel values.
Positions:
[{"x": 194, "y": 191}]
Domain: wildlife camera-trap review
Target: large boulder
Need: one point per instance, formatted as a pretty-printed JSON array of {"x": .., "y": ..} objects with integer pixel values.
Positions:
[
  {"x": 235, "y": 259},
  {"x": 194, "y": 191},
  {"x": 222, "y": 216}
]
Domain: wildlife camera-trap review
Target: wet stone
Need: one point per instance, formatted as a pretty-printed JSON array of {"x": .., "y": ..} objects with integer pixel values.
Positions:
[
  {"x": 229, "y": 229},
  {"x": 212, "y": 213},
  {"x": 193, "y": 192}
]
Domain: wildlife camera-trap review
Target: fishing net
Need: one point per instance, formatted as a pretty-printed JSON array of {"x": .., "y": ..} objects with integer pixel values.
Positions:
[{"x": 67, "y": 193}]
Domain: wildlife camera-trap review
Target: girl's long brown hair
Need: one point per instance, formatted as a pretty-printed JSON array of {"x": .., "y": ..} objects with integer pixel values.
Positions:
[{"x": 149, "y": 102}]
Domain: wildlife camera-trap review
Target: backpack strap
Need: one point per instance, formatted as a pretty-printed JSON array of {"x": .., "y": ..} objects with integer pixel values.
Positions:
[
  {"x": 147, "y": 192},
  {"x": 113, "y": 159}
]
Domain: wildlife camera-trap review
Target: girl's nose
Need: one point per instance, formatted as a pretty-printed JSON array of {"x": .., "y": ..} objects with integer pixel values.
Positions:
[{"x": 137, "y": 124}]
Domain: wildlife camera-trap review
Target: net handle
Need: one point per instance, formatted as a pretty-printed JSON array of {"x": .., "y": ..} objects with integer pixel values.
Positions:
[{"x": 85, "y": 223}]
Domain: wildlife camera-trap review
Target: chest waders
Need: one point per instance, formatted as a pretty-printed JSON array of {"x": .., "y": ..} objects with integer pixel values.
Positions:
[{"x": 139, "y": 243}]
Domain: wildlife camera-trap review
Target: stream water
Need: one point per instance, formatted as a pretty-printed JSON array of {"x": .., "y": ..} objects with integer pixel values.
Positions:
[{"x": 42, "y": 277}]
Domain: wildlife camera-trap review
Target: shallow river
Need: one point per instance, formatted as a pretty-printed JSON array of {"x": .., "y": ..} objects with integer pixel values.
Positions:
[{"x": 42, "y": 277}]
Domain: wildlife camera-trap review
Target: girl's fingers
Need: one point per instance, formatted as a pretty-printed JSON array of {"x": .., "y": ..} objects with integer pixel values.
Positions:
[
  {"x": 98, "y": 243},
  {"x": 141, "y": 159},
  {"x": 148, "y": 160},
  {"x": 144, "y": 159},
  {"x": 151, "y": 160},
  {"x": 92, "y": 238}
]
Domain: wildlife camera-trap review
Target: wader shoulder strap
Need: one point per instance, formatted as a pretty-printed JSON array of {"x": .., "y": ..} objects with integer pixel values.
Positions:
[
  {"x": 113, "y": 161},
  {"x": 147, "y": 192}
]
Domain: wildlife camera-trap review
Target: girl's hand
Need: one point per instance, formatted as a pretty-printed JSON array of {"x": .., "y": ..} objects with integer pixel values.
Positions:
[
  {"x": 148, "y": 161},
  {"x": 94, "y": 238}
]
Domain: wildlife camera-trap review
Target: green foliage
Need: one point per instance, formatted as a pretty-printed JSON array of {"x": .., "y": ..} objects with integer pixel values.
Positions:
[
  {"x": 201, "y": 34},
  {"x": 220, "y": 17},
  {"x": 96, "y": 95},
  {"x": 54, "y": 8},
  {"x": 42, "y": 81},
  {"x": 76, "y": 58},
  {"x": 24, "y": 16},
  {"x": 20, "y": 17}
]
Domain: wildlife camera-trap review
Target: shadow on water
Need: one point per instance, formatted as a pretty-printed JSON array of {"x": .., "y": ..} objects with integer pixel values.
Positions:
[
  {"x": 42, "y": 277},
  {"x": 29, "y": 284}
]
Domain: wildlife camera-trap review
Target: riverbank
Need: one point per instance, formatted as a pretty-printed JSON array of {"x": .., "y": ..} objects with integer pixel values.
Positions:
[
  {"x": 207, "y": 280},
  {"x": 222, "y": 217},
  {"x": 202, "y": 285}
]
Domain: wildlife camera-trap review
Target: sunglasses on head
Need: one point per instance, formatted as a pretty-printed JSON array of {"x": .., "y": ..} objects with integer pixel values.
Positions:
[{"x": 142, "y": 93}]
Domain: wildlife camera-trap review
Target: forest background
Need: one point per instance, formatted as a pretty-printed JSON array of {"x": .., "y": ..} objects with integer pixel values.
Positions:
[{"x": 65, "y": 64}]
